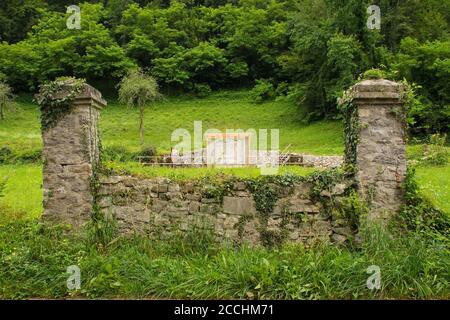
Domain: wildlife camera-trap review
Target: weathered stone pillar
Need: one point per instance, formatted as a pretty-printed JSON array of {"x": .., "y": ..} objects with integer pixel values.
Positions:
[
  {"x": 381, "y": 147},
  {"x": 71, "y": 153}
]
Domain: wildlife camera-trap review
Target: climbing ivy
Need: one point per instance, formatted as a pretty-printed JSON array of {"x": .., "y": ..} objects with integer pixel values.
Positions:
[
  {"x": 102, "y": 229},
  {"x": 266, "y": 190},
  {"x": 351, "y": 126},
  {"x": 325, "y": 181},
  {"x": 55, "y": 99}
]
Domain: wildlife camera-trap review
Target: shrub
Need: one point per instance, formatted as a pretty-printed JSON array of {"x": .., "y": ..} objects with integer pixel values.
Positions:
[
  {"x": 202, "y": 90},
  {"x": 262, "y": 91},
  {"x": 148, "y": 152},
  {"x": 282, "y": 89},
  {"x": 118, "y": 154},
  {"x": 2, "y": 187},
  {"x": 426, "y": 64},
  {"x": 353, "y": 210},
  {"x": 373, "y": 74},
  {"x": 5, "y": 154},
  {"x": 436, "y": 153},
  {"x": 28, "y": 156}
]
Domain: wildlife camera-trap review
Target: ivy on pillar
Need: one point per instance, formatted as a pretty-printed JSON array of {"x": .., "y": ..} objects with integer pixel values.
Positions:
[
  {"x": 69, "y": 118},
  {"x": 379, "y": 146}
]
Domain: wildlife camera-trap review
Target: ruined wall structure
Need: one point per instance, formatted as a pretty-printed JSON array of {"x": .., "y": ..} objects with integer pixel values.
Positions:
[{"x": 71, "y": 154}]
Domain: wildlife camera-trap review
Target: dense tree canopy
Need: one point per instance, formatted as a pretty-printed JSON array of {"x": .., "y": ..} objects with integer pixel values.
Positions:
[{"x": 306, "y": 50}]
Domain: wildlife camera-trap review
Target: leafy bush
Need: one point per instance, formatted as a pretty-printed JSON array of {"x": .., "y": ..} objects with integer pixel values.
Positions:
[
  {"x": 262, "y": 91},
  {"x": 148, "y": 152},
  {"x": 426, "y": 64},
  {"x": 8, "y": 156},
  {"x": 436, "y": 153},
  {"x": 51, "y": 50},
  {"x": 373, "y": 74},
  {"x": 202, "y": 90},
  {"x": 353, "y": 210},
  {"x": 118, "y": 154},
  {"x": 5, "y": 154},
  {"x": 30, "y": 156},
  {"x": 2, "y": 187}
]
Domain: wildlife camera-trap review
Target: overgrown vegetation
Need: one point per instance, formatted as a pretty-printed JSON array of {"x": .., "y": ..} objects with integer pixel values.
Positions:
[
  {"x": 435, "y": 153},
  {"x": 34, "y": 259},
  {"x": 351, "y": 126},
  {"x": 419, "y": 214},
  {"x": 55, "y": 99}
]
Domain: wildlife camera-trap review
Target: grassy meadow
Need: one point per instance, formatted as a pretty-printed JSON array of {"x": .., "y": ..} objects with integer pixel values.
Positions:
[{"x": 224, "y": 110}]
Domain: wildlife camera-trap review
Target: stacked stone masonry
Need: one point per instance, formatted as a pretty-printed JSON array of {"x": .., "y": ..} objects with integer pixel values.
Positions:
[
  {"x": 381, "y": 150},
  {"x": 71, "y": 151},
  {"x": 159, "y": 205}
]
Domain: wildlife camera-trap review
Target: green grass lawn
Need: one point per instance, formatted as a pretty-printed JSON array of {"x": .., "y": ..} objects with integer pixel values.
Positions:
[
  {"x": 21, "y": 130},
  {"x": 23, "y": 193},
  {"x": 435, "y": 184},
  {"x": 223, "y": 110}
]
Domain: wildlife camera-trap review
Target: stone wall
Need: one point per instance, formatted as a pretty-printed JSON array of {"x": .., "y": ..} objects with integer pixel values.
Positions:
[
  {"x": 159, "y": 205},
  {"x": 381, "y": 149},
  {"x": 308, "y": 160},
  {"x": 71, "y": 155},
  {"x": 71, "y": 150},
  {"x": 261, "y": 158}
]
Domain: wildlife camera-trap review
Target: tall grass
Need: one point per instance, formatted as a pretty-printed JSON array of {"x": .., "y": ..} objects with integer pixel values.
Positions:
[
  {"x": 22, "y": 193},
  {"x": 34, "y": 258}
]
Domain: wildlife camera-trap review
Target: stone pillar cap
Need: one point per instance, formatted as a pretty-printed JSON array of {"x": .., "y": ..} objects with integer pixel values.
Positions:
[
  {"x": 90, "y": 94},
  {"x": 379, "y": 91},
  {"x": 87, "y": 96}
]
